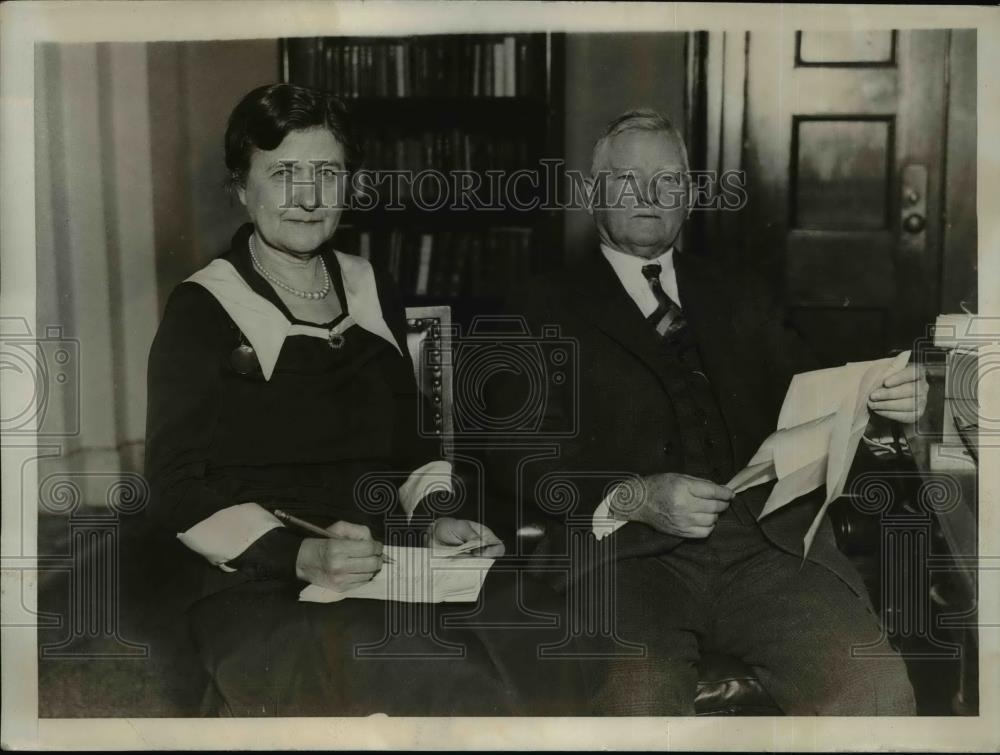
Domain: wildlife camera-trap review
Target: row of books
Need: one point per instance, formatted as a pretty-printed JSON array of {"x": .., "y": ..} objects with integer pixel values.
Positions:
[
  {"x": 451, "y": 149},
  {"x": 447, "y": 264},
  {"x": 443, "y": 66}
]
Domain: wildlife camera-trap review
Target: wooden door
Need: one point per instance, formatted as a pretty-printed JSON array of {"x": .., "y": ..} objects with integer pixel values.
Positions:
[{"x": 843, "y": 156}]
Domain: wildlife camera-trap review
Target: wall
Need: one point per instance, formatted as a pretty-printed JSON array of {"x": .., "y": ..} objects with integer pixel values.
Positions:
[
  {"x": 607, "y": 74},
  {"x": 193, "y": 88},
  {"x": 94, "y": 252},
  {"x": 129, "y": 201}
]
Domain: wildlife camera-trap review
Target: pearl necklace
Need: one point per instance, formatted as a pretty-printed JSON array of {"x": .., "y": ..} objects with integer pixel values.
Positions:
[{"x": 321, "y": 294}]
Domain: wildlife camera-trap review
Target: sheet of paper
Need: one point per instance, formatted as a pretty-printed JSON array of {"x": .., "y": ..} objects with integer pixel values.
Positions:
[
  {"x": 451, "y": 551},
  {"x": 853, "y": 417},
  {"x": 819, "y": 427},
  {"x": 807, "y": 541},
  {"x": 417, "y": 576},
  {"x": 751, "y": 475},
  {"x": 798, "y": 483},
  {"x": 819, "y": 393},
  {"x": 802, "y": 445}
]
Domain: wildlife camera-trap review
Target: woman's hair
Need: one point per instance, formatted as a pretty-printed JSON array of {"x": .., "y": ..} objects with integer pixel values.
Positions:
[{"x": 266, "y": 115}]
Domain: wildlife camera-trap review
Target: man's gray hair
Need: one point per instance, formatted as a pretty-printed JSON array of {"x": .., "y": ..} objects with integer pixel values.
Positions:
[{"x": 642, "y": 119}]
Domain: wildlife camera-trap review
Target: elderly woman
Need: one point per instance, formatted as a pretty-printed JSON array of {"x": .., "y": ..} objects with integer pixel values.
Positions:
[{"x": 279, "y": 379}]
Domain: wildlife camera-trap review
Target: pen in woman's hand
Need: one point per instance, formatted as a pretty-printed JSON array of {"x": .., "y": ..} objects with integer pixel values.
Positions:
[{"x": 294, "y": 520}]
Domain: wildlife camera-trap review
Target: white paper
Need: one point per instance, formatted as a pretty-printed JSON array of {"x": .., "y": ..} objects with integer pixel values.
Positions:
[
  {"x": 819, "y": 427},
  {"x": 802, "y": 445},
  {"x": 787, "y": 489},
  {"x": 451, "y": 551},
  {"x": 752, "y": 475},
  {"x": 417, "y": 576},
  {"x": 819, "y": 393}
]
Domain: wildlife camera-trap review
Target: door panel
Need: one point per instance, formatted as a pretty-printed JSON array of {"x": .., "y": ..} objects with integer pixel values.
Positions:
[
  {"x": 851, "y": 49},
  {"x": 843, "y": 158},
  {"x": 840, "y": 173}
]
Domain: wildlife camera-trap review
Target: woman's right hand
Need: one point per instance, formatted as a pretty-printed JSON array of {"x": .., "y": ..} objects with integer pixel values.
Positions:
[{"x": 349, "y": 558}]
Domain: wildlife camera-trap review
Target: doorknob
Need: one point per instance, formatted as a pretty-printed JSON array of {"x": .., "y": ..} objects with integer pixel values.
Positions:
[
  {"x": 913, "y": 209},
  {"x": 914, "y": 223}
]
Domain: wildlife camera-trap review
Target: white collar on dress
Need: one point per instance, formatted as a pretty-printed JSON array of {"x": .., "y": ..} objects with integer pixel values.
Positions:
[{"x": 263, "y": 323}]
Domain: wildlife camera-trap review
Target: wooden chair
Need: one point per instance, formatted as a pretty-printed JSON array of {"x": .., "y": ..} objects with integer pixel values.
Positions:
[{"x": 429, "y": 341}]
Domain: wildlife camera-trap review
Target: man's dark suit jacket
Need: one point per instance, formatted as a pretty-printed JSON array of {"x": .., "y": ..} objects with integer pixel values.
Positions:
[{"x": 618, "y": 409}]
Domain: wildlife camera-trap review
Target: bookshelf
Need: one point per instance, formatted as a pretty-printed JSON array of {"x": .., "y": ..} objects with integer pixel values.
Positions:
[{"x": 482, "y": 104}]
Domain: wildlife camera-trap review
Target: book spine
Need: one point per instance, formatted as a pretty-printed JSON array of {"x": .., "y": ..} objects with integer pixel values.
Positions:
[
  {"x": 322, "y": 76},
  {"x": 440, "y": 68},
  {"x": 510, "y": 58},
  {"x": 477, "y": 64},
  {"x": 395, "y": 254},
  {"x": 306, "y": 63},
  {"x": 477, "y": 274},
  {"x": 314, "y": 61},
  {"x": 522, "y": 67},
  {"x": 330, "y": 67},
  {"x": 457, "y": 277},
  {"x": 366, "y": 71},
  {"x": 340, "y": 60},
  {"x": 424, "y": 271},
  {"x": 526, "y": 254},
  {"x": 382, "y": 64},
  {"x": 487, "y": 88},
  {"x": 371, "y": 86},
  {"x": 425, "y": 71},
  {"x": 400, "y": 56},
  {"x": 430, "y": 151},
  {"x": 344, "y": 53},
  {"x": 498, "y": 69}
]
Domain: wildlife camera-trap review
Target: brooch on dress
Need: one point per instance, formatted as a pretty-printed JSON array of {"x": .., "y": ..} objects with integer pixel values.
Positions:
[
  {"x": 335, "y": 340},
  {"x": 244, "y": 360}
]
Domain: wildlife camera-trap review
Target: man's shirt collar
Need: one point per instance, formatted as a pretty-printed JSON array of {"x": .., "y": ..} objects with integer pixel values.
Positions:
[{"x": 628, "y": 268}]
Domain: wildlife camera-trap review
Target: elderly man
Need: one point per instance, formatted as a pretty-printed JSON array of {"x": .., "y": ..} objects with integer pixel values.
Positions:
[{"x": 682, "y": 369}]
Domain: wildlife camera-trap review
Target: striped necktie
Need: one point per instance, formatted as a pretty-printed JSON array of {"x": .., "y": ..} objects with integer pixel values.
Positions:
[{"x": 667, "y": 318}]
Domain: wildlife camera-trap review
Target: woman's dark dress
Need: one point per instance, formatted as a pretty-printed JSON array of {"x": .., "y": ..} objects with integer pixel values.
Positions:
[{"x": 301, "y": 442}]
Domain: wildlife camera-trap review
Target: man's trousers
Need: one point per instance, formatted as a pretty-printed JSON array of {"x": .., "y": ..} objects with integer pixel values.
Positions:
[{"x": 816, "y": 646}]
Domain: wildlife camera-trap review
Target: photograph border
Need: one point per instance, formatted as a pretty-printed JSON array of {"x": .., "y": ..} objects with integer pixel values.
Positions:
[{"x": 22, "y": 25}]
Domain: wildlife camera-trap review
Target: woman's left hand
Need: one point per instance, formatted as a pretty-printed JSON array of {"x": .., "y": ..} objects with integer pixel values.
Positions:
[{"x": 451, "y": 532}]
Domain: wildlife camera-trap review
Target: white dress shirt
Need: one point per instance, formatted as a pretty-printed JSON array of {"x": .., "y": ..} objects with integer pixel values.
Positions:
[{"x": 628, "y": 268}]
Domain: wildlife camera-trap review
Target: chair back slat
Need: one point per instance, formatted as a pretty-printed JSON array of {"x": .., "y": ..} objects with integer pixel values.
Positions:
[{"x": 429, "y": 341}]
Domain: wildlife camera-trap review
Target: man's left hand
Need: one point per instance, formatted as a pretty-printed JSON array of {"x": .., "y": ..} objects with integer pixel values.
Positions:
[{"x": 902, "y": 397}]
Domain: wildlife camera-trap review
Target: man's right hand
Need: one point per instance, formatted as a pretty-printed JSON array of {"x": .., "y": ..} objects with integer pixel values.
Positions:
[
  {"x": 676, "y": 504},
  {"x": 351, "y": 557}
]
